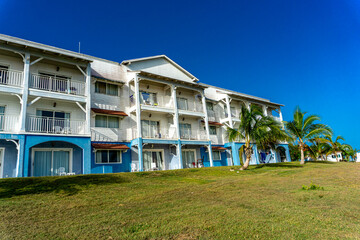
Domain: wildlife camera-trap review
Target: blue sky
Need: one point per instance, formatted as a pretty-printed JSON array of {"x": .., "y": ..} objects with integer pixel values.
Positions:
[{"x": 300, "y": 52}]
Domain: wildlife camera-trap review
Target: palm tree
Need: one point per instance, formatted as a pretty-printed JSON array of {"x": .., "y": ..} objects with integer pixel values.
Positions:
[
  {"x": 317, "y": 149},
  {"x": 303, "y": 128},
  {"x": 335, "y": 146},
  {"x": 257, "y": 128}
]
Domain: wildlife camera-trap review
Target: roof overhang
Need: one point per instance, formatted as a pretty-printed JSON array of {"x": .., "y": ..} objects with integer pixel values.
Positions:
[
  {"x": 108, "y": 80},
  {"x": 109, "y": 112},
  {"x": 109, "y": 146},
  {"x": 218, "y": 148}
]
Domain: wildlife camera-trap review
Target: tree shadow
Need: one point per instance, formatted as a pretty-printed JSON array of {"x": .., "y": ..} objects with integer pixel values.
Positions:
[{"x": 69, "y": 185}]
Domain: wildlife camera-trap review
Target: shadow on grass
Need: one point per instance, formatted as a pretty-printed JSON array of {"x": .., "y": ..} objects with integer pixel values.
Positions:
[
  {"x": 69, "y": 185},
  {"x": 278, "y": 165}
]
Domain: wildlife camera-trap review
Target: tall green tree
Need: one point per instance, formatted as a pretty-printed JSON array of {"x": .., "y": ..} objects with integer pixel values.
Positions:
[
  {"x": 317, "y": 149},
  {"x": 335, "y": 146},
  {"x": 303, "y": 128},
  {"x": 255, "y": 128}
]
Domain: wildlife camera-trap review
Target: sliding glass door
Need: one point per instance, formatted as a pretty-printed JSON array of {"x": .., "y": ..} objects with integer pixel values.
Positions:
[
  {"x": 153, "y": 160},
  {"x": 51, "y": 162},
  {"x": 188, "y": 158}
]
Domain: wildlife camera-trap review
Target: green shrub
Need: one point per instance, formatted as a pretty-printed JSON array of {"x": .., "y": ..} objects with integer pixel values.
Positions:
[{"x": 312, "y": 187}]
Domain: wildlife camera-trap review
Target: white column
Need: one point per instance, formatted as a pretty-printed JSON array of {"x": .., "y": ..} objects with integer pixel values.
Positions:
[
  {"x": 138, "y": 109},
  {"x": 265, "y": 110},
  {"x": 88, "y": 98},
  {"x": 227, "y": 99},
  {"x": 280, "y": 115},
  {"x": 206, "y": 119},
  {"x": 176, "y": 115},
  {"x": 25, "y": 92}
]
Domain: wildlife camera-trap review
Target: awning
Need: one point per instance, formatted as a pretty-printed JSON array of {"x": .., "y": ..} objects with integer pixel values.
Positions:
[
  {"x": 213, "y": 123},
  {"x": 109, "y": 146},
  {"x": 218, "y": 148},
  {"x": 109, "y": 112}
]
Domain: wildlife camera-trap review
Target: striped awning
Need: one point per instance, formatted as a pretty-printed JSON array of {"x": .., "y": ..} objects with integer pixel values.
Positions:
[
  {"x": 109, "y": 146},
  {"x": 109, "y": 112}
]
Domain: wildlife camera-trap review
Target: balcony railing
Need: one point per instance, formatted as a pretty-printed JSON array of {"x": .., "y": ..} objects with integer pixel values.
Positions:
[
  {"x": 162, "y": 133},
  {"x": 161, "y": 101},
  {"x": 192, "y": 106},
  {"x": 53, "y": 125},
  {"x": 8, "y": 123},
  {"x": 211, "y": 115},
  {"x": 193, "y": 135},
  {"x": 11, "y": 77},
  {"x": 54, "y": 84}
]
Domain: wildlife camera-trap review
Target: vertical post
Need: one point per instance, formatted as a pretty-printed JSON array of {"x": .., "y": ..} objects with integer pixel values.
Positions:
[
  {"x": 88, "y": 98},
  {"x": 227, "y": 99},
  {"x": 265, "y": 110},
  {"x": 179, "y": 153},
  {"x": 138, "y": 123},
  {"x": 176, "y": 115},
  {"x": 206, "y": 119},
  {"x": 25, "y": 92},
  {"x": 280, "y": 115},
  {"x": 138, "y": 109}
]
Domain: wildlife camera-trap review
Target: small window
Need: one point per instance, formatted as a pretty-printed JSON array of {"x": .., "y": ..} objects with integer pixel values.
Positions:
[
  {"x": 212, "y": 130},
  {"x": 108, "y": 156},
  {"x": 209, "y": 106},
  {"x": 216, "y": 155},
  {"x": 106, "y": 121},
  {"x": 107, "y": 88},
  {"x": 182, "y": 103}
]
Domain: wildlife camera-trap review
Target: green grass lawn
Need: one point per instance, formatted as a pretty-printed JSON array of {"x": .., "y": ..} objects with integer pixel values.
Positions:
[{"x": 265, "y": 202}]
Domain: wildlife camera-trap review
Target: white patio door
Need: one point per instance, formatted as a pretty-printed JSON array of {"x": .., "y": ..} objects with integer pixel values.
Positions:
[
  {"x": 51, "y": 162},
  {"x": 153, "y": 160},
  {"x": 188, "y": 158}
]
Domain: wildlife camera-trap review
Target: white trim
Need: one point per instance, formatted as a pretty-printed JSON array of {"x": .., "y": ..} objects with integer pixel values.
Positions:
[
  {"x": 70, "y": 150},
  {"x": 2, "y": 160},
  {"x": 214, "y": 155}
]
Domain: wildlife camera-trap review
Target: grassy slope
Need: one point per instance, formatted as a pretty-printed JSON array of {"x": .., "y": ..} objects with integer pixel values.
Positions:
[{"x": 264, "y": 202}]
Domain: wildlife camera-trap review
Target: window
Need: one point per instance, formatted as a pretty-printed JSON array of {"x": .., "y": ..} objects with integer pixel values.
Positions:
[
  {"x": 150, "y": 129},
  {"x": 182, "y": 103},
  {"x": 148, "y": 98},
  {"x": 212, "y": 130},
  {"x": 108, "y": 156},
  {"x": 107, "y": 88},
  {"x": 232, "y": 110},
  {"x": 106, "y": 121},
  {"x": 185, "y": 130},
  {"x": 209, "y": 106},
  {"x": 216, "y": 155}
]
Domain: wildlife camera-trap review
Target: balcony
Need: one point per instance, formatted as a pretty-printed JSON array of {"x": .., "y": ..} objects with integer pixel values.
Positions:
[
  {"x": 191, "y": 108},
  {"x": 212, "y": 116},
  {"x": 162, "y": 133},
  {"x": 52, "y": 125},
  {"x": 11, "y": 77},
  {"x": 8, "y": 123},
  {"x": 193, "y": 135},
  {"x": 59, "y": 85}
]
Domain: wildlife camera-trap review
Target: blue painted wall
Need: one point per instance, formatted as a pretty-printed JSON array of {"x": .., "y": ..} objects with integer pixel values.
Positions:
[
  {"x": 125, "y": 166},
  {"x": 217, "y": 163},
  {"x": 10, "y": 158}
]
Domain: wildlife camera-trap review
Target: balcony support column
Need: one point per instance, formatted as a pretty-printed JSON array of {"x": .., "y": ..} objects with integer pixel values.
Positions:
[
  {"x": 25, "y": 93},
  {"x": 227, "y": 100},
  {"x": 265, "y": 110},
  {"x": 280, "y": 115},
  {"x": 207, "y": 128},
  {"x": 138, "y": 109},
  {"x": 177, "y": 127},
  {"x": 88, "y": 98}
]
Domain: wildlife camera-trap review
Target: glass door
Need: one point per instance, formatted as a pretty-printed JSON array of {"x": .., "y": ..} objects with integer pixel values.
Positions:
[
  {"x": 51, "y": 162},
  {"x": 188, "y": 158},
  {"x": 2, "y": 118},
  {"x": 153, "y": 160}
]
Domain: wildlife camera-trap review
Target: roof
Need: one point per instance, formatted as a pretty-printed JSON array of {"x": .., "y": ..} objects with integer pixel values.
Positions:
[
  {"x": 147, "y": 74},
  {"x": 109, "y": 112},
  {"x": 110, "y": 146},
  {"x": 30, "y": 44},
  {"x": 161, "y": 56},
  {"x": 218, "y": 148}
]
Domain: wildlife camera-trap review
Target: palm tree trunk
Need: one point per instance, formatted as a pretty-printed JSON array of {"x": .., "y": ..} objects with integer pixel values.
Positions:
[
  {"x": 302, "y": 155},
  {"x": 248, "y": 158}
]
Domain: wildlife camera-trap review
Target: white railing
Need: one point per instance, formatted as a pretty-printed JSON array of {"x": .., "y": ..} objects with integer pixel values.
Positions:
[
  {"x": 161, "y": 101},
  {"x": 55, "y": 125},
  {"x": 8, "y": 123},
  {"x": 162, "y": 133},
  {"x": 54, "y": 84},
  {"x": 192, "y": 106},
  {"x": 11, "y": 77},
  {"x": 211, "y": 115},
  {"x": 193, "y": 135}
]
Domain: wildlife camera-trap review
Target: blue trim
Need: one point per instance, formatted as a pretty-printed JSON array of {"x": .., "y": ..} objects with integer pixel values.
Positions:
[
  {"x": 189, "y": 142},
  {"x": 140, "y": 154},
  {"x": 180, "y": 155},
  {"x": 159, "y": 141},
  {"x": 217, "y": 163}
]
